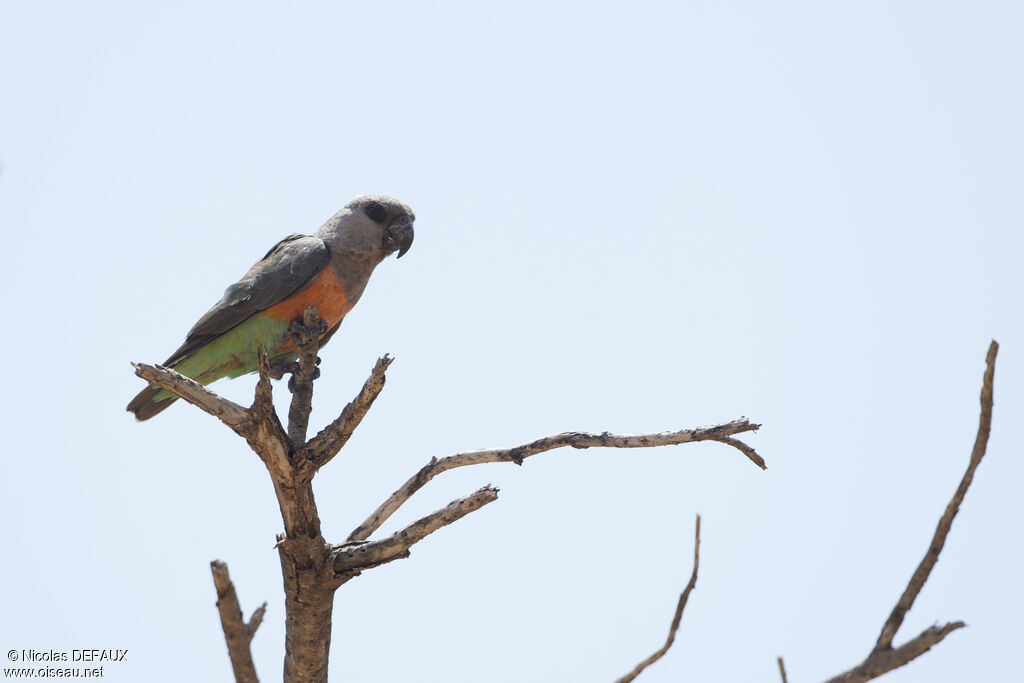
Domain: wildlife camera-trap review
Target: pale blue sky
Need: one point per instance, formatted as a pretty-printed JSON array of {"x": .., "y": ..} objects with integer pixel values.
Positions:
[{"x": 631, "y": 217}]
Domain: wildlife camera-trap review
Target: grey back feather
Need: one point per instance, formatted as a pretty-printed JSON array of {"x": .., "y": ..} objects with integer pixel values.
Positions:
[{"x": 287, "y": 268}]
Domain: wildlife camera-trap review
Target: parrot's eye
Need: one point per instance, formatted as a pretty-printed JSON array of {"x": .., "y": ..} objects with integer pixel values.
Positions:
[{"x": 376, "y": 212}]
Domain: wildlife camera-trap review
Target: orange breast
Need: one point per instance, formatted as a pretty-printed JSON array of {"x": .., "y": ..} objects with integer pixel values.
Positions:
[{"x": 325, "y": 292}]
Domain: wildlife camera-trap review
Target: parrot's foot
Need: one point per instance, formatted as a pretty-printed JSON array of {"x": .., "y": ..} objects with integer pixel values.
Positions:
[
  {"x": 278, "y": 368},
  {"x": 299, "y": 330},
  {"x": 291, "y": 380}
]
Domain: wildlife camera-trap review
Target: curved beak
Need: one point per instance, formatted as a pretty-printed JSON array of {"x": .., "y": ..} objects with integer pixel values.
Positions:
[{"x": 398, "y": 235}]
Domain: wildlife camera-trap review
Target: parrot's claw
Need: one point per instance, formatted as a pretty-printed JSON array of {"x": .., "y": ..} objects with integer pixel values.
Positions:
[
  {"x": 279, "y": 371},
  {"x": 291, "y": 380},
  {"x": 299, "y": 330}
]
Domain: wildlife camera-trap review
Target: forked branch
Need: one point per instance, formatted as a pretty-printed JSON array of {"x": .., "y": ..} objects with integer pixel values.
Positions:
[
  {"x": 884, "y": 657},
  {"x": 363, "y": 555},
  {"x": 721, "y": 433},
  {"x": 312, "y": 568},
  {"x": 237, "y": 632}
]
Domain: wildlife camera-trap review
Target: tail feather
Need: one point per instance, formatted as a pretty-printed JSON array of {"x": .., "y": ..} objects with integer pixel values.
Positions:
[{"x": 145, "y": 407}]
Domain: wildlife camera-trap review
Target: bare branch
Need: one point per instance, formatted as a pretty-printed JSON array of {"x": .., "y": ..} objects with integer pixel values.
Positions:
[
  {"x": 744, "y": 449},
  {"x": 264, "y": 434},
  {"x": 359, "y": 556},
  {"x": 313, "y": 569},
  {"x": 782, "y": 670},
  {"x": 906, "y": 600},
  {"x": 676, "y": 619},
  {"x": 255, "y": 620},
  {"x": 884, "y": 657},
  {"x": 263, "y": 401},
  {"x": 307, "y": 337},
  {"x": 325, "y": 445},
  {"x": 883, "y": 661},
  {"x": 237, "y": 633},
  {"x": 547, "y": 443},
  {"x": 228, "y": 412}
]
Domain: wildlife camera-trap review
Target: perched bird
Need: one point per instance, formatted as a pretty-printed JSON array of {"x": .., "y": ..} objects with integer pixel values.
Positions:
[{"x": 329, "y": 270}]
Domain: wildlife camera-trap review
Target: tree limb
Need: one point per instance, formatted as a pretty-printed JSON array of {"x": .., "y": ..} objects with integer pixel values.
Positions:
[
  {"x": 883, "y": 661},
  {"x": 782, "y": 670},
  {"x": 267, "y": 436},
  {"x": 744, "y": 449},
  {"x": 353, "y": 557},
  {"x": 237, "y": 633},
  {"x": 230, "y": 413},
  {"x": 884, "y": 657},
  {"x": 676, "y": 619},
  {"x": 313, "y": 569},
  {"x": 547, "y": 443},
  {"x": 906, "y": 601},
  {"x": 254, "y": 621}
]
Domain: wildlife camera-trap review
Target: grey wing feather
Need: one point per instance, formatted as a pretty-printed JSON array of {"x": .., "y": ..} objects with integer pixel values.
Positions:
[{"x": 288, "y": 267}]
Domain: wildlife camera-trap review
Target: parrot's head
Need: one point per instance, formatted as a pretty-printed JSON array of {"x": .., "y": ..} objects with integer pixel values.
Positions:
[{"x": 371, "y": 225}]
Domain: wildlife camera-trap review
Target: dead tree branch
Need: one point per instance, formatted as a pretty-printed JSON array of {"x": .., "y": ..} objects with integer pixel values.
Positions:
[
  {"x": 782, "y": 670},
  {"x": 237, "y": 633},
  {"x": 517, "y": 454},
  {"x": 676, "y": 619},
  {"x": 307, "y": 560},
  {"x": 363, "y": 554},
  {"x": 884, "y": 657},
  {"x": 305, "y": 556},
  {"x": 230, "y": 413},
  {"x": 312, "y": 568},
  {"x": 307, "y": 337}
]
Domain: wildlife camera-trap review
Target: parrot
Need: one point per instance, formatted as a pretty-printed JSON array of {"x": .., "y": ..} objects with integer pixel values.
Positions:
[{"x": 329, "y": 269}]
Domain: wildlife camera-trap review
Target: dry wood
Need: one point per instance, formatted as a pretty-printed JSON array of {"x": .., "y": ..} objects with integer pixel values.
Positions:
[
  {"x": 365, "y": 554},
  {"x": 237, "y": 633},
  {"x": 312, "y": 568},
  {"x": 782, "y": 670},
  {"x": 884, "y": 661},
  {"x": 680, "y": 606},
  {"x": 305, "y": 556},
  {"x": 307, "y": 337},
  {"x": 517, "y": 454},
  {"x": 884, "y": 657},
  {"x": 307, "y": 560},
  {"x": 228, "y": 412},
  {"x": 906, "y": 601}
]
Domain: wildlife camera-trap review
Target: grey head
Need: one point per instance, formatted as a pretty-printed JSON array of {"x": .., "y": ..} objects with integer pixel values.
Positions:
[{"x": 371, "y": 227}]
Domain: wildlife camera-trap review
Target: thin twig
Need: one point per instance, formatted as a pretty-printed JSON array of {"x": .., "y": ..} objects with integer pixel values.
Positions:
[
  {"x": 782, "y": 670},
  {"x": 884, "y": 657},
  {"x": 237, "y": 633},
  {"x": 255, "y": 620},
  {"x": 359, "y": 556},
  {"x": 744, "y": 449},
  {"x": 547, "y": 443},
  {"x": 263, "y": 400},
  {"x": 676, "y": 619}
]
